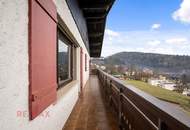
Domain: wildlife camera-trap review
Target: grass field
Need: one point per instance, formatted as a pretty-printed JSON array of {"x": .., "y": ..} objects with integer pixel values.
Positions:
[{"x": 164, "y": 94}]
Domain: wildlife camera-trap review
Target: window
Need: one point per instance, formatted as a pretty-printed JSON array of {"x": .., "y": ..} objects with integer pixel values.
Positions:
[
  {"x": 85, "y": 62},
  {"x": 64, "y": 59}
]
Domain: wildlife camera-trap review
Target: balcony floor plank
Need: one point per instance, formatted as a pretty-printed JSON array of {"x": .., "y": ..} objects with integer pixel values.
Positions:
[{"x": 91, "y": 111}]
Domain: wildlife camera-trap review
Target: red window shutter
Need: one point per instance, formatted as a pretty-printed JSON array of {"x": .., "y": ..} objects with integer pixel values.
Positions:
[
  {"x": 42, "y": 55},
  {"x": 81, "y": 67}
]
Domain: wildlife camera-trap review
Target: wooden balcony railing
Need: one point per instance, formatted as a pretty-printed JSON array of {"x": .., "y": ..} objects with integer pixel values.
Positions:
[{"x": 137, "y": 110}]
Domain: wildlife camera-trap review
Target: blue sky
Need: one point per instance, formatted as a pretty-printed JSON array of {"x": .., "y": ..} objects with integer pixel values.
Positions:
[{"x": 157, "y": 26}]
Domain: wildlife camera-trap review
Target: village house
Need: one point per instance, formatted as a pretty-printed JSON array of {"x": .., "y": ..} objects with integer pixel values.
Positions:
[
  {"x": 168, "y": 85},
  {"x": 186, "y": 92},
  {"x": 163, "y": 83},
  {"x": 154, "y": 82}
]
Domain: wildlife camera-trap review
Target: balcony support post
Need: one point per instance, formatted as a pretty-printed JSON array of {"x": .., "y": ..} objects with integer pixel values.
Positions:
[
  {"x": 120, "y": 109},
  {"x": 162, "y": 125},
  {"x": 109, "y": 96}
]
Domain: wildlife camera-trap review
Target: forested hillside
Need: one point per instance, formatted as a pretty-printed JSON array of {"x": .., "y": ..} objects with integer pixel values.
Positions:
[{"x": 171, "y": 63}]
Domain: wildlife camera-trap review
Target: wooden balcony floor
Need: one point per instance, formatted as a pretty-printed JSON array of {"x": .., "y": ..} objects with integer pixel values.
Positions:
[{"x": 91, "y": 111}]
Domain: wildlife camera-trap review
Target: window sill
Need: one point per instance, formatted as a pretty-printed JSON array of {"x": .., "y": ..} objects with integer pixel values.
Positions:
[
  {"x": 64, "y": 83},
  {"x": 63, "y": 90}
]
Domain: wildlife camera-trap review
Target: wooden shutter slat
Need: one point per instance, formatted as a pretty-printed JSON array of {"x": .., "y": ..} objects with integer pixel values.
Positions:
[{"x": 49, "y": 6}]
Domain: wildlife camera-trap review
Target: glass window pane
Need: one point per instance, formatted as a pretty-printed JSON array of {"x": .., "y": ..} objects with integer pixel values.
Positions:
[{"x": 63, "y": 60}]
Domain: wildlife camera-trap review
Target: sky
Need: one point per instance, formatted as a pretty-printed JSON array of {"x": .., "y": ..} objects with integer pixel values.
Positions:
[{"x": 152, "y": 26}]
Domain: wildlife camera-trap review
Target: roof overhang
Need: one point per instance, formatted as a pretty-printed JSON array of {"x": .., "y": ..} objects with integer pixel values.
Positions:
[{"x": 95, "y": 13}]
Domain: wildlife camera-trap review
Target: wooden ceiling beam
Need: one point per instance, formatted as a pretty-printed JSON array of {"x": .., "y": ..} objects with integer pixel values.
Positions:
[
  {"x": 95, "y": 50},
  {"x": 100, "y": 20},
  {"x": 96, "y": 34},
  {"x": 95, "y": 39},
  {"x": 88, "y": 4},
  {"x": 95, "y": 43},
  {"x": 88, "y": 15}
]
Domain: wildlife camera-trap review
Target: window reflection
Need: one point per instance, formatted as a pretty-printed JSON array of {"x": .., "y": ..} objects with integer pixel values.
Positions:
[{"x": 63, "y": 59}]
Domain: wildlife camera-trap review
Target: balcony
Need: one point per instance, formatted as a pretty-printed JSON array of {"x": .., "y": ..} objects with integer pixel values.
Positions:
[
  {"x": 91, "y": 111},
  {"x": 108, "y": 104}
]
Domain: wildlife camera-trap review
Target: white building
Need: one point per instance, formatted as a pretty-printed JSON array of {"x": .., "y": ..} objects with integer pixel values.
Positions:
[
  {"x": 154, "y": 82},
  {"x": 45, "y": 48},
  {"x": 186, "y": 92},
  {"x": 168, "y": 85},
  {"x": 162, "y": 83}
]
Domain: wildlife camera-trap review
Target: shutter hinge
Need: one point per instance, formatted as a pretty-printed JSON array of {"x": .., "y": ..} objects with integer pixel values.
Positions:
[{"x": 34, "y": 97}]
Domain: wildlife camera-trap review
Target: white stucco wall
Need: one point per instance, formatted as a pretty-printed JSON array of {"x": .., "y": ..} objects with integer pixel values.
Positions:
[
  {"x": 13, "y": 61},
  {"x": 14, "y": 71}
]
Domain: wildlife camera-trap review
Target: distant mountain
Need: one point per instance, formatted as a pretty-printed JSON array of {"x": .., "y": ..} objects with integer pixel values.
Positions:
[{"x": 161, "y": 62}]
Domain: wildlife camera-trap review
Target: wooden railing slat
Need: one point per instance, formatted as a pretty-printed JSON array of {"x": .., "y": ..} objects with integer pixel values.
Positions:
[{"x": 137, "y": 110}]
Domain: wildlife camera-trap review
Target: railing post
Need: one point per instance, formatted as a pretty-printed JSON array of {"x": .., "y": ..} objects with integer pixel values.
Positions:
[
  {"x": 104, "y": 81},
  {"x": 106, "y": 93},
  {"x": 120, "y": 108},
  {"x": 110, "y": 94},
  {"x": 162, "y": 125}
]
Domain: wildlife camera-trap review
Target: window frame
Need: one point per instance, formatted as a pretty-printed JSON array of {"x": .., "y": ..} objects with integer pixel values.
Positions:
[
  {"x": 86, "y": 62},
  {"x": 69, "y": 43}
]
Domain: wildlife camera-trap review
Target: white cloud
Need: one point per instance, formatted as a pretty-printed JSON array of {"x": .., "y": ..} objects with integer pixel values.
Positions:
[
  {"x": 154, "y": 42},
  {"x": 111, "y": 33},
  {"x": 183, "y": 13},
  {"x": 159, "y": 50},
  {"x": 177, "y": 41},
  {"x": 165, "y": 42},
  {"x": 155, "y": 26}
]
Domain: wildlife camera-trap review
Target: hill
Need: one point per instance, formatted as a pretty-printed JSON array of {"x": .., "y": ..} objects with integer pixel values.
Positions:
[{"x": 161, "y": 62}]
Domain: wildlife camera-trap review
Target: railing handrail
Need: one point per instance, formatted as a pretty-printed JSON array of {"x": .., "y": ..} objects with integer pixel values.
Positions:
[{"x": 167, "y": 110}]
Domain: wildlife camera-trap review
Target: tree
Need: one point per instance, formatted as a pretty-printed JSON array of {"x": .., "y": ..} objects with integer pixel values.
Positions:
[{"x": 182, "y": 83}]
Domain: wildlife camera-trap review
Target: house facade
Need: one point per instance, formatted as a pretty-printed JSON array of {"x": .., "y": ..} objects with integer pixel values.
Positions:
[
  {"x": 163, "y": 83},
  {"x": 154, "y": 82},
  {"x": 186, "y": 92},
  {"x": 168, "y": 85},
  {"x": 45, "y": 50}
]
